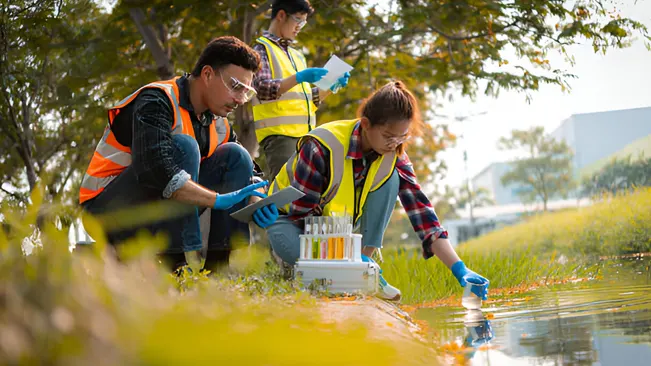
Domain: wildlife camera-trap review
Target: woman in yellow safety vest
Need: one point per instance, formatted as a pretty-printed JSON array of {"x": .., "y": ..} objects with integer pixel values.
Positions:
[{"x": 360, "y": 167}]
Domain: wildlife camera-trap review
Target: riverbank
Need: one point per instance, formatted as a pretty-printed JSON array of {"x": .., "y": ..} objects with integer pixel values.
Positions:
[{"x": 545, "y": 248}]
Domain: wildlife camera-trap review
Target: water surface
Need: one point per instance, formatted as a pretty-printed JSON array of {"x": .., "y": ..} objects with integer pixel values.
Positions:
[{"x": 601, "y": 322}]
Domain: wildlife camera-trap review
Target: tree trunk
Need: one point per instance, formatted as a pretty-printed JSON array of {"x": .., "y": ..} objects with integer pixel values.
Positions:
[
  {"x": 243, "y": 115},
  {"x": 164, "y": 63}
]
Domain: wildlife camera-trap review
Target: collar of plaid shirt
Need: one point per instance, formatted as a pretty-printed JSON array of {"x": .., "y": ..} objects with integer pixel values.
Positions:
[
  {"x": 282, "y": 42},
  {"x": 355, "y": 149}
]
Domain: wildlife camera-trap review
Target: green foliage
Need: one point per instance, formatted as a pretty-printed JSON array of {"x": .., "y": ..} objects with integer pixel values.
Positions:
[
  {"x": 62, "y": 308},
  {"x": 547, "y": 168},
  {"x": 70, "y": 60},
  {"x": 619, "y": 176},
  {"x": 50, "y": 111}
]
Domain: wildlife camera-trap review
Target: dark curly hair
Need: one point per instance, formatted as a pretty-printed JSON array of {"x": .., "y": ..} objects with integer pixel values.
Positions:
[{"x": 226, "y": 50}]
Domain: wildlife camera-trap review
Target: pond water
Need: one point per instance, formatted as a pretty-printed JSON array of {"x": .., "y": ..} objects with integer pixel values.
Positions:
[{"x": 600, "y": 322}]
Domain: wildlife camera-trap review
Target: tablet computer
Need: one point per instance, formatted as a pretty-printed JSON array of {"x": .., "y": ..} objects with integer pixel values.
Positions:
[{"x": 284, "y": 196}]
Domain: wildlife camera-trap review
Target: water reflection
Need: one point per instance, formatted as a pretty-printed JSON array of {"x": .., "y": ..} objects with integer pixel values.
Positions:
[{"x": 602, "y": 323}]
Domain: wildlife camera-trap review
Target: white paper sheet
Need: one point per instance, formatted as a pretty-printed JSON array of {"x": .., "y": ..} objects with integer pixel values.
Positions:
[{"x": 336, "y": 68}]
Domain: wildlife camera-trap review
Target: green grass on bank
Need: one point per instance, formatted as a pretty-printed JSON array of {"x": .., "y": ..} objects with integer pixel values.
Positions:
[
  {"x": 423, "y": 281},
  {"x": 532, "y": 251},
  {"x": 614, "y": 225}
]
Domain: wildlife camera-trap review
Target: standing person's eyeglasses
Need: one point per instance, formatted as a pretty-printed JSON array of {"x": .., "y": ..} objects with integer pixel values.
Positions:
[
  {"x": 239, "y": 89},
  {"x": 301, "y": 22}
]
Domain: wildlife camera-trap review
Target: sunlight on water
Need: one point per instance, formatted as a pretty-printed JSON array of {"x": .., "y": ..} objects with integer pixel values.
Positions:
[{"x": 606, "y": 322}]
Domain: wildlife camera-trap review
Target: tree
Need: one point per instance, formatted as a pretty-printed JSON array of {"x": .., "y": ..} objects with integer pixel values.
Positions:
[
  {"x": 48, "y": 112},
  {"x": 479, "y": 197},
  {"x": 619, "y": 176},
  {"x": 433, "y": 46},
  {"x": 546, "y": 167}
]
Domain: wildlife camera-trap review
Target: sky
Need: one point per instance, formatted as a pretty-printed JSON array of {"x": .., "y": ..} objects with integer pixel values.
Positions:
[{"x": 621, "y": 79}]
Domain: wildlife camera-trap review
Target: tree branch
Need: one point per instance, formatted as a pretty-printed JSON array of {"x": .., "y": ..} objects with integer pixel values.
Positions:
[
  {"x": 474, "y": 36},
  {"x": 262, "y": 8},
  {"x": 13, "y": 194},
  {"x": 164, "y": 64}
]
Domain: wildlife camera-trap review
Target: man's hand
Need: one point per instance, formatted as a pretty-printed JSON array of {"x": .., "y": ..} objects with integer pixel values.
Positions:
[
  {"x": 311, "y": 75},
  {"x": 340, "y": 83},
  {"x": 228, "y": 200}
]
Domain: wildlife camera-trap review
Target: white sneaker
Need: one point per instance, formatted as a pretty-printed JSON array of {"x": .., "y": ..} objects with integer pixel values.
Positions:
[{"x": 388, "y": 292}]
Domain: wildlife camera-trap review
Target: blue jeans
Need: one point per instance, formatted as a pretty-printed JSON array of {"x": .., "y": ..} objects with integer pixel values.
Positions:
[
  {"x": 230, "y": 168},
  {"x": 283, "y": 235}
]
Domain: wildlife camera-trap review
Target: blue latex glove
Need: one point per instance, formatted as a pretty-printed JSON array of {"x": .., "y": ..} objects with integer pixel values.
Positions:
[
  {"x": 266, "y": 216},
  {"x": 465, "y": 275},
  {"x": 311, "y": 75},
  {"x": 341, "y": 83},
  {"x": 228, "y": 200}
]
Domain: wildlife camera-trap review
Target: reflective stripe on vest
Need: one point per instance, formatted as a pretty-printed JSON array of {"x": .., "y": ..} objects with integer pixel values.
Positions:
[
  {"x": 339, "y": 196},
  {"x": 111, "y": 158},
  {"x": 293, "y": 113}
]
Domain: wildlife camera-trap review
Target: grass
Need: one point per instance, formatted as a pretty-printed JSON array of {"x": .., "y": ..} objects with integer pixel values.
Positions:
[
  {"x": 544, "y": 248},
  {"x": 612, "y": 226},
  {"x": 62, "y": 308}
]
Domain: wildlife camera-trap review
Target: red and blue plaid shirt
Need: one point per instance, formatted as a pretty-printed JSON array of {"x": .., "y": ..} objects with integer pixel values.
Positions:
[{"x": 312, "y": 173}]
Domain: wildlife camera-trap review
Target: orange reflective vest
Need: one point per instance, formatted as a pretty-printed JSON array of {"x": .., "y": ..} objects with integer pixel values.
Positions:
[{"x": 111, "y": 158}]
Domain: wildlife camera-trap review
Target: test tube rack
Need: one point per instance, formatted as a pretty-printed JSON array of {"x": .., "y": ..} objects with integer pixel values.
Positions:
[{"x": 330, "y": 238}]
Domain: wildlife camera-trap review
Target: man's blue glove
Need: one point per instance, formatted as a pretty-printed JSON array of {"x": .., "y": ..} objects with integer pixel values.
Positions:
[
  {"x": 341, "y": 83},
  {"x": 266, "y": 215},
  {"x": 228, "y": 200},
  {"x": 465, "y": 276},
  {"x": 311, "y": 75}
]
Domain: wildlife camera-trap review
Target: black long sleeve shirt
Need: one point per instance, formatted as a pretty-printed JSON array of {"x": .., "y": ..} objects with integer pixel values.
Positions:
[{"x": 146, "y": 126}]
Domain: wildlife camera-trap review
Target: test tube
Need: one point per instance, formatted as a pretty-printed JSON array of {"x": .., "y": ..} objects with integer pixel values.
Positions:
[
  {"x": 331, "y": 238},
  {"x": 307, "y": 239},
  {"x": 323, "y": 239},
  {"x": 340, "y": 239},
  {"x": 315, "y": 238}
]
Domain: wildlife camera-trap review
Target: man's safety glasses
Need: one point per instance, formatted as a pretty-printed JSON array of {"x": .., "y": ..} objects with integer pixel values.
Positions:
[
  {"x": 239, "y": 89},
  {"x": 301, "y": 22}
]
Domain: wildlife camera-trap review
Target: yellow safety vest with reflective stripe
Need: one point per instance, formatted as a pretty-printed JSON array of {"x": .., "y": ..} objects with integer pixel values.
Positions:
[
  {"x": 293, "y": 113},
  {"x": 340, "y": 196},
  {"x": 111, "y": 158}
]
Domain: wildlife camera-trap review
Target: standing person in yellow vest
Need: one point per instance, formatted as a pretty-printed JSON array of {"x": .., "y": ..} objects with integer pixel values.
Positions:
[
  {"x": 360, "y": 167},
  {"x": 170, "y": 140},
  {"x": 284, "y": 108}
]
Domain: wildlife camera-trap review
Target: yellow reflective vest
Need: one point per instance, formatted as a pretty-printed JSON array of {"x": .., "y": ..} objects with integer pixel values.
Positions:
[
  {"x": 293, "y": 113},
  {"x": 340, "y": 196}
]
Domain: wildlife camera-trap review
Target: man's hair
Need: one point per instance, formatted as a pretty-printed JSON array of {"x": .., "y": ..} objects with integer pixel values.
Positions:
[
  {"x": 291, "y": 7},
  {"x": 223, "y": 51}
]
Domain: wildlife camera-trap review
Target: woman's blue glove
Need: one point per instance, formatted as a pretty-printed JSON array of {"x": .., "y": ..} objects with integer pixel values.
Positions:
[
  {"x": 341, "y": 83},
  {"x": 266, "y": 215},
  {"x": 228, "y": 200},
  {"x": 464, "y": 275},
  {"x": 311, "y": 75}
]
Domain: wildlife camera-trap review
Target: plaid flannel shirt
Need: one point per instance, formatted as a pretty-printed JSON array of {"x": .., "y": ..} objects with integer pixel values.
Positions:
[
  {"x": 266, "y": 87},
  {"x": 312, "y": 173}
]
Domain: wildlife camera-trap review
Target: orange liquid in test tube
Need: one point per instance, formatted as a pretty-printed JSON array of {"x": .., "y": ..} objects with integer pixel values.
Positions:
[
  {"x": 331, "y": 248},
  {"x": 340, "y": 248}
]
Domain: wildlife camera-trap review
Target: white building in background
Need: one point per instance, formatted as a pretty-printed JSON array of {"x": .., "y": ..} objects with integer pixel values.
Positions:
[
  {"x": 591, "y": 136},
  {"x": 594, "y": 136}
]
